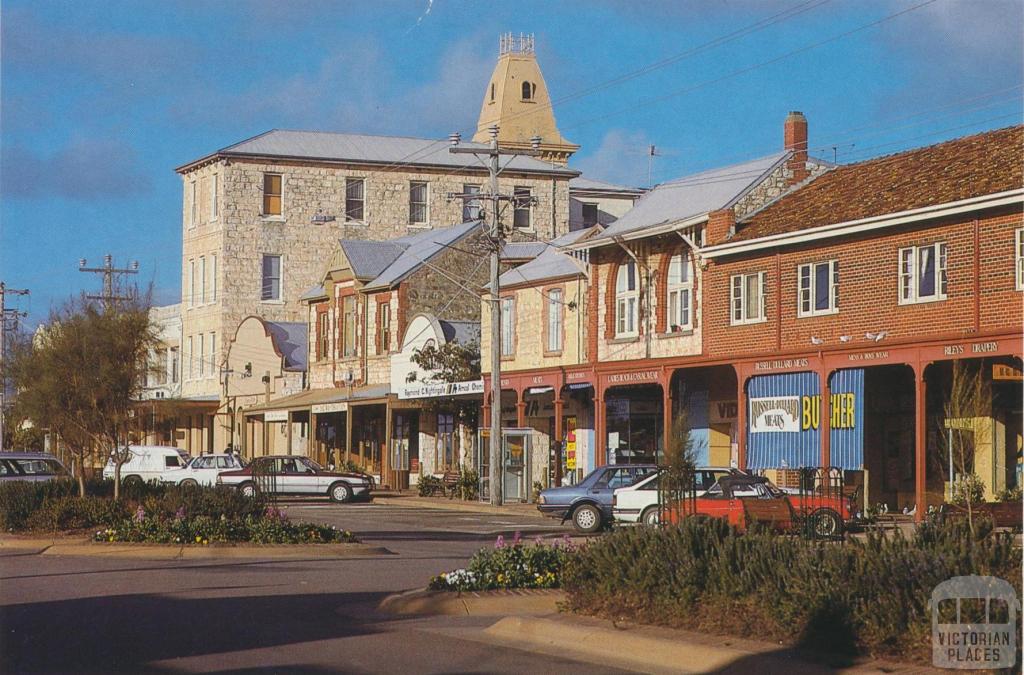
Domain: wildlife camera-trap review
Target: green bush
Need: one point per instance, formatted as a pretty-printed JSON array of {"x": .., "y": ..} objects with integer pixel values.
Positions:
[
  {"x": 75, "y": 513},
  {"x": 467, "y": 487},
  {"x": 429, "y": 485},
  {"x": 865, "y": 596},
  {"x": 515, "y": 565}
]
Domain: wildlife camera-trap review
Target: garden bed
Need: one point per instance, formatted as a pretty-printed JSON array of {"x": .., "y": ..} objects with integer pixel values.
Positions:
[{"x": 155, "y": 514}]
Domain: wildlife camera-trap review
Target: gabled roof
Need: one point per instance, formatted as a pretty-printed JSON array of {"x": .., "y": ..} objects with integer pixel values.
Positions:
[
  {"x": 690, "y": 197},
  {"x": 463, "y": 332},
  {"x": 415, "y": 251},
  {"x": 552, "y": 263},
  {"x": 290, "y": 339},
  {"x": 973, "y": 166},
  {"x": 363, "y": 149},
  {"x": 584, "y": 184},
  {"x": 315, "y": 293},
  {"x": 522, "y": 250},
  {"x": 370, "y": 258}
]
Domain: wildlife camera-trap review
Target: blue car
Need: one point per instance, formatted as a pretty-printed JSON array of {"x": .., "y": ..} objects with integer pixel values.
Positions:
[{"x": 588, "y": 504}]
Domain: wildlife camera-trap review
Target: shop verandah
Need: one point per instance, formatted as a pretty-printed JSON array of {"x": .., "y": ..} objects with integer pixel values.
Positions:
[{"x": 877, "y": 413}]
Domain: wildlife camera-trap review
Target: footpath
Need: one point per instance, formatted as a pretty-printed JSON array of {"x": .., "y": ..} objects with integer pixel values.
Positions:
[
  {"x": 530, "y": 620},
  {"x": 78, "y": 545},
  {"x": 395, "y": 498}
]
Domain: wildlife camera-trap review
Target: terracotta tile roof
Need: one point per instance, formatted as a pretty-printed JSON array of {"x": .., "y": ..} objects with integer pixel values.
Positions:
[{"x": 972, "y": 166}]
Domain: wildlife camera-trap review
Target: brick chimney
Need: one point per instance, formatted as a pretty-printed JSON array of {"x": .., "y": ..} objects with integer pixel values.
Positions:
[
  {"x": 795, "y": 140},
  {"x": 720, "y": 225}
]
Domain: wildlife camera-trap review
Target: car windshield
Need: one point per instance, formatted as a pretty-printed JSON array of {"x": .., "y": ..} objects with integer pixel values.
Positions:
[
  {"x": 33, "y": 467},
  {"x": 311, "y": 463}
]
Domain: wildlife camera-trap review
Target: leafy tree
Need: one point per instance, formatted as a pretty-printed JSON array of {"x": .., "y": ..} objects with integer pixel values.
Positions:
[
  {"x": 450, "y": 362},
  {"x": 81, "y": 374}
]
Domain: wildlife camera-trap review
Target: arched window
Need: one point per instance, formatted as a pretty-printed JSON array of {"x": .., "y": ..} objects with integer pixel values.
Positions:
[
  {"x": 492, "y": 91},
  {"x": 626, "y": 300},
  {"x": 529, "y": 89},
  {"x": 679, "y": 287}
]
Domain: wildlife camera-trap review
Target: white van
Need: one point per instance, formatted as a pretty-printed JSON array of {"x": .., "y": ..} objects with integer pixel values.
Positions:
[{"x": 147, "y": 462}]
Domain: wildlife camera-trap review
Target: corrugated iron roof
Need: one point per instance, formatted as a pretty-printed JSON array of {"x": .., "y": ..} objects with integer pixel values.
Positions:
[
  {"x": 418, "y": 249},
  {"x": 363, "y": 148},
  {"x": 290, "y": 339}
]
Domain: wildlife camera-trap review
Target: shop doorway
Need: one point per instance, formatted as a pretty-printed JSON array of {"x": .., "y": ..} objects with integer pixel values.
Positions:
[{"x": 634, "y": 424}]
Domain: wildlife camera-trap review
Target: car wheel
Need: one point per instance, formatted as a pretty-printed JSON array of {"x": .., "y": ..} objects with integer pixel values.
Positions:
[
  {"x": 189, "y": 482},
  {"x": 248, "y": 489},
  {"x": 587, "y": 518},
  {"x": 131, "y": 481},
  {"x": 340, "y": 493},
  {"x": 826, "y": 523},
  {"x": 650, "y": 516}
]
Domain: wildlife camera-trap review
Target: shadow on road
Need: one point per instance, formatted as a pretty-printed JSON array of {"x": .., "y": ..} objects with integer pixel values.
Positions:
[{"x": 127, "y": 633}]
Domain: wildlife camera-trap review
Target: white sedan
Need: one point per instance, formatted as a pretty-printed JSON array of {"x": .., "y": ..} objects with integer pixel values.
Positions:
[
  {"x": 638, "y": 503},
  {"x": 202, "y": 470}
]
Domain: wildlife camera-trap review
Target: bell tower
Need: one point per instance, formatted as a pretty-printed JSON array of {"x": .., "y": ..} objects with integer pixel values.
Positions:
[{"x": 517, "y": 101}]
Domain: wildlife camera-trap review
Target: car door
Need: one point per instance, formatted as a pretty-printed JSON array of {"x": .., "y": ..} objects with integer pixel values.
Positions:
[
  {"x": 203, "y": 470},
  {"x": 299, "y": 476}
]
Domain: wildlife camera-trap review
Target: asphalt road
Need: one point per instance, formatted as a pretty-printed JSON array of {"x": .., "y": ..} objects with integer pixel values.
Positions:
[{"x": 102, "y": 615}]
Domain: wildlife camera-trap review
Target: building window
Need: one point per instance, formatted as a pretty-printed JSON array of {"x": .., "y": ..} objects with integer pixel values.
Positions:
[
  {"x": 492, "y": 92},
  {"x": 529, "y": 91},
  {"x": 202, "y": 279},
  {"x": 523, "y": 204},
  {"x": 589, "y": 214},
  {"x": 383, "y": 328},
  {"x": 354, "y": 199},
  {"x": 470, "y": 207},
  {"x": 194, "y": 206},
  {"x": 554, "y": 324},
  {"x": 322, "y": 335},
  {"x": 418, "y": 203},
  {"x": 626, "y": 300},
  {"x": 213, "y": 278},
  {"x": 271, "y": 285},
  {"x": 1019, "y": 248},
  {"x": 214, "y": 203},
  {"x": 923, "y": 273},
  {"x": 508, "y": 327},
  {"x": 445, "y": 458},
  {"x": 213, "y": 355},
  {"x": 679, "y": 287},
  {"x": 188, "y": 359},
  {"x": 818, "y": 288},
  {"x": 348, "y": 325},
  {"x": 746, "y": 296},
  {"x": 173, "y": 364},
  {"x": 202, "y": 355},
  {"x": 271, "y": 194},
  {"x": 191, "y": 283}
]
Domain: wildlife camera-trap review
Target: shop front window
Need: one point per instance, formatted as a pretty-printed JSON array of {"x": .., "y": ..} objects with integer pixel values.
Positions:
[
  {"x": 634, "y": 427},
  {"x": 446, "y": 453}
]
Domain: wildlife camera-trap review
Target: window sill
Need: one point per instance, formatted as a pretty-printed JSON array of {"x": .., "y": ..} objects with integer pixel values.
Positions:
[
  {"x": 624, "y": 340},
  {"x": 419, "y": 226},
  {"x": 357, "y": 223},
  {"x": 272, "y": 219},
  {"x": 548, "y": 354},
  {"x": 676, "y": 333},
  {"x": 923, "y": 301},
  {"x": 272, "y": 302},
  {"x": 812, "y": 315},
  {"x": 749, "y": 322}
]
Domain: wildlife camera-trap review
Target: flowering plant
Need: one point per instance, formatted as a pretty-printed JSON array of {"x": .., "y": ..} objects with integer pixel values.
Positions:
[{"x": 509, "y": 565}]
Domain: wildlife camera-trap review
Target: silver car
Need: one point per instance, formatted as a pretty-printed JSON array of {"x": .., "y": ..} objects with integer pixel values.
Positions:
[{"x": 30, "y": 466}]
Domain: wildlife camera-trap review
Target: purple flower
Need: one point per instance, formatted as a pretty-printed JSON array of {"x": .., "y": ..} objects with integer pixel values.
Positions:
[
  {"x": 180, "y": 513},
  {"x": 517, "y": 539},
  {"x": 499, "y": 542},
  {"x": 140, "y": 514}
]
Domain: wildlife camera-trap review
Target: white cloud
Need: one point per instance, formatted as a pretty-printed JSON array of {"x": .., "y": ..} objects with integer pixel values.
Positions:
[{"x": 620, "y": 158}]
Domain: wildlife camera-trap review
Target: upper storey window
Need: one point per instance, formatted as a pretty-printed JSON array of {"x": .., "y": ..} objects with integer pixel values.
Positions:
[
  {"x": 271, "y": 194},
  {"x": 1019, "y": 248},
  {"x": 354, "y": 199},
  {"x": 923, "y": 273},
  {"x": 746, "y": 298},
  {"x": 418, "y": 212},
  {"x": 819, "y": 288},
  {"x": 626, "y": 300},
  {"x": 679, "y": 289},
  {"x": 529, "y": 91}
]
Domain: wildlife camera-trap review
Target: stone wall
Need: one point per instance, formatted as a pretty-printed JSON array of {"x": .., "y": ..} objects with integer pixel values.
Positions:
[{"x": 777, "y": 183}]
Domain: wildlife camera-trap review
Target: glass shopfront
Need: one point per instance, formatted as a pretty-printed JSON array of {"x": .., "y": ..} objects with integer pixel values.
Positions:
[{"x": 634, "y": 425}]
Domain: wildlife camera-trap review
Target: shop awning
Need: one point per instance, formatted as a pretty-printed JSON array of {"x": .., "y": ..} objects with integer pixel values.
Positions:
[{"x": 323, "y": 400}]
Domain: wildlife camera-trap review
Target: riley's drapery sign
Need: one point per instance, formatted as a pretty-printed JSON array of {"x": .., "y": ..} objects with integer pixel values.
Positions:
[{"x": 435, "y": 389}]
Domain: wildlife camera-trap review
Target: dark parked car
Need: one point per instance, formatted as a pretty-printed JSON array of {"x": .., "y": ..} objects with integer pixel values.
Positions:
[
  {"x": 30, "y": 466},
  {"x": 589, "y": 503},
  {"x": 293, "y": 475}
]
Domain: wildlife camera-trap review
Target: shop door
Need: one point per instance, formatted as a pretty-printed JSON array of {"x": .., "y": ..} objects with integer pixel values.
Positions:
[
  {"x": 400, "y": 441},
  {"x": 516, "y": 451}
]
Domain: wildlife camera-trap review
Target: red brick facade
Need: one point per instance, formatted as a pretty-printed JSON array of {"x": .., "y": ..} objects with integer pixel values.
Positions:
[{"x": 869, "y": 289}]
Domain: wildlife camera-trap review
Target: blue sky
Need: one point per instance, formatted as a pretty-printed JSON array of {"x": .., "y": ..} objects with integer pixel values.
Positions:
[{"x": 101, "y": 100}]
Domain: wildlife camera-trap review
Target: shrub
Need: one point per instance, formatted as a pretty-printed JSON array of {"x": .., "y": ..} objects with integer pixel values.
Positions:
[
  {"x": 1014, "y": 494},
  {"x": 968, "y": 488},
  {"x": 429, "y": 485},
  {"x": 468, "y": 485},
  {"x": 74, "y": 513},
  {"x": 865, "y": 596},
  {"x": 515, "y": 565}
]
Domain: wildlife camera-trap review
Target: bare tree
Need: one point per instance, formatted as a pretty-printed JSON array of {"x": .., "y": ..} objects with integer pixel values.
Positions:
[
  {"x": 81, "y": 375},
  {"x": 962, "y": 430}
]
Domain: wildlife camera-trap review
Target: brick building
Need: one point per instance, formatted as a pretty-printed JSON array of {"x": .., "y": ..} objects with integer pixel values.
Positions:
[{"x": 767, "y": 283}]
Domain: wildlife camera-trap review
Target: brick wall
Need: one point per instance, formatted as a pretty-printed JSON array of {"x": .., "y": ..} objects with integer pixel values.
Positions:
[{"x": 868, "y": 289}]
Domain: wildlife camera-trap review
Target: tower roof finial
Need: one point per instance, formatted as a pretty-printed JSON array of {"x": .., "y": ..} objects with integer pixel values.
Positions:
[{"x": 509, "y": 43}]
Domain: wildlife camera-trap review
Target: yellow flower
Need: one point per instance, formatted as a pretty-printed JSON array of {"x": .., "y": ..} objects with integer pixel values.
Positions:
[{"x": 198, "y": 539}]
